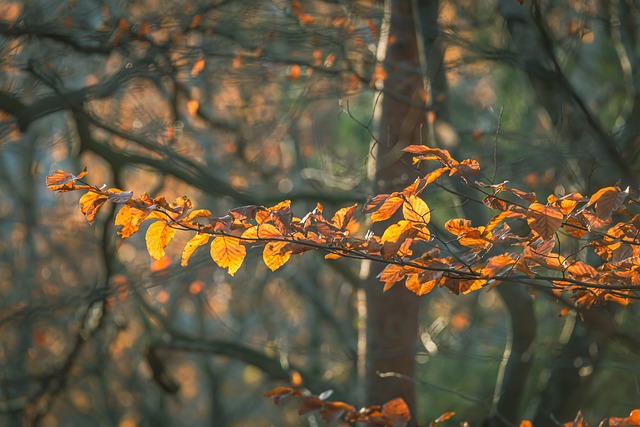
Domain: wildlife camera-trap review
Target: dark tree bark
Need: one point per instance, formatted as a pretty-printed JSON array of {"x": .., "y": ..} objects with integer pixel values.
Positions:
[{"x": 392, "y": 317}]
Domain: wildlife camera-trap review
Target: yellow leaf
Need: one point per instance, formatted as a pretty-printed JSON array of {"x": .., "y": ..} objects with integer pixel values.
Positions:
[
  {"x": 264, "y": 231},
  {"x": 275, "y": 255},
  {"x": 193, "y": 244},
  {"x": 228, "y": 253},
  {"x": 158, "y": 237},
  {"x": 395, "y": 231},
  {"x": 198, "y": 213},
  {"x": 416, "y": 210}
]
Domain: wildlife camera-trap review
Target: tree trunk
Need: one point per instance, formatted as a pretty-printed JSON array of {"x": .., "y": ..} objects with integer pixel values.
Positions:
[{"x": 392, "y": 317}]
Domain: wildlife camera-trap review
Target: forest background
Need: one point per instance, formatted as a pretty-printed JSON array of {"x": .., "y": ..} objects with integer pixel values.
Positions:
[{"x": 242, "y": 102}]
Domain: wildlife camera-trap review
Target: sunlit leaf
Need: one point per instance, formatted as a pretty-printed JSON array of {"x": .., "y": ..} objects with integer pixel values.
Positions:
[
  {"x": 544, "y": 220},
  {"x": 90, "y": 204},
  {"x": 158, "y": 237},
  {"x": 130, "y": 219},
  {"x": 458, "y": 226},
  {"x": 417, "y": 285},
  {"x": 387, "y": 209},
  {"x": 198, "y": 213},
  {"x": 276, "y": 254},
  {"x": 62, "y": 181},
  {"x": 415, "y": 209},
  {"x": 227, "y": 252},
  {"x": 196, "y": 241},
  {"x": 396, "y": 231}
]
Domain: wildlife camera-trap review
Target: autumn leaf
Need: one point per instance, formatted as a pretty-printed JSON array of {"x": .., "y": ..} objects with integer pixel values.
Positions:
[
  {"x": 397, "y": 412},
  {"x": 423, "y": 283},
  {"x": 458, "y": 226},
  {"x": 466, "y": 168},
  {"x": 632, "y": 420},
  {"x": 415, "y": 209},
  {"x": 130, "y": 219},
  {"x": 395, "y": 231},
  {"x": 463, "y": 286},
  {"x": 387, "y": 209},
  {"x": 544, "y": 220},
  {"x": 427, "y": 153},
  {"x": 90, "y": 204},
  {"x": 158, "y": 237},
  {"x": 62, "y": 181},
  {"x": 262, "y": 232},
  {"x": 498, "y": 265},
  {"x": 196, "y": 241},
  {"x": 343, "y": 219},
  {"x": 227, "y": 252},
  {"x": 275, "y": 255},
  {"x": 607, "y": 200},
  {"x": 198, "y": 213}
]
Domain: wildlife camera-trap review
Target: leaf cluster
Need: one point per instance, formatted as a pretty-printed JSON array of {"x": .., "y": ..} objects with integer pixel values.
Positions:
[{"x": 415, "y": 251}]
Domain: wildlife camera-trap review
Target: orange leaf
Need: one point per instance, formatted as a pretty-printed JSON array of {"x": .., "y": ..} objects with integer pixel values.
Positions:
[
  {"x": 130, "y": 219},
  {"x": 544, "y": 220},
  {"x": 62, "y": 181},
  {"x": 463, "y": 286},
  {"x": 279, "y": 392},
  {"x": 227, "y": 252},
  {"x": 458, "y": 226},
  {"x": 343, "y": 218},
  {"x": 575, "y": 228},
  {"x": 415, "y": 285},
  {"x": 158, "y": 237},
  {"x": 632, "y": 420},
  {"x": 397, "y": 412},
  {"x": 526, "y": 423},
  {"x": 498, "y": 265},
  {"x": 193, "y": 244},
  {"x": 428, "y": 153},
  {"x": 415, "y": 209},
  {"x": 387, "y": 209},
  {"x": 90, "y": 204},
  {"x": 275, "y": 254}
]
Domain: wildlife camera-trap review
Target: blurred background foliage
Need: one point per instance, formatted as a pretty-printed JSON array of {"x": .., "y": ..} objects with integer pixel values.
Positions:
[{"x": 241, "y": 102}]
